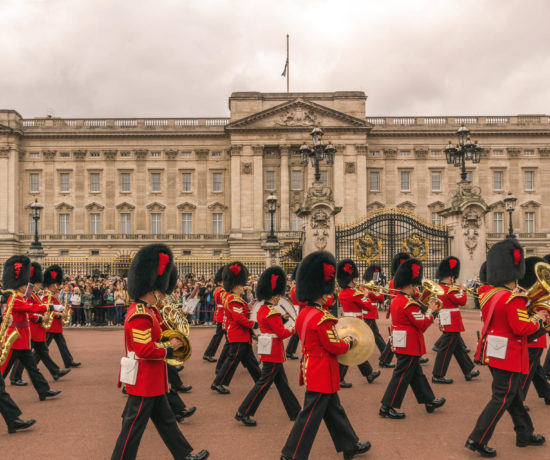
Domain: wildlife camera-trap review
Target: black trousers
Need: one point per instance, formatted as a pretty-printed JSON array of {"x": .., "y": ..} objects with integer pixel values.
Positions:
[
  {"x": 292, "y": 344},
  {"x": 380, "y": 342},
  {"x": 62, "y": 345},
  {"x": 239, "y": 352},
  {"x": 173, "y": 377},
  {"x": 271, "y": 373},
  {"x": 536, "y": 375},
  {"x": 387, "y": 355},
  {"x": 223, "y": 355},
  {"x": 546, "y": 365},
  {"x": 507, "y": 395},
  {"x": 40, "y": 350},
  {"x": 365, "y": 369},
  {"x": 8, "y": 408},
  {"x": 215, "y": 341},
  {"x": 174, "y": 401},
  {"x": 408, "y": 371},
  {"x": 317, "y": 407},
  {"x": 26, "y": 359},
  {"x": 451, "y": 344},
  {"x": 138, "y": 411}
]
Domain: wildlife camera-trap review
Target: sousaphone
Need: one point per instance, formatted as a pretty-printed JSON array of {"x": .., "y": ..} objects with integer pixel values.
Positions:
[{"x": 364, "y": 346}]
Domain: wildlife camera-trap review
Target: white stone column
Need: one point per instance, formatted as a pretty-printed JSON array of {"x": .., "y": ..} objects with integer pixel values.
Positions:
[
  {"x": 285, "y": 188},
  {"x": 258, "y": 187},
  {"x": 235, "y": 187}
]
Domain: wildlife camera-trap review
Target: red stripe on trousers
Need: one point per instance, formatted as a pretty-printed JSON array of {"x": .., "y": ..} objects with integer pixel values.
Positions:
[
  {"x": 399, "y": 383},
  {"x": 304, "y": 429},
  {"x": 498, "y": 411},
  {"x": 229, "y": 367},
  {"x": 131, "y": 427},
  {"x": 263, "y": 386}
]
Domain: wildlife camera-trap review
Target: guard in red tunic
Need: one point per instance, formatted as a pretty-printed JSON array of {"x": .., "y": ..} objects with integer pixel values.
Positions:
[
  {"x": 504, "y": 347},
  {"x": 321, "y": 345},
  {"x": 218, "y": 319},
  {"x": 450, "y": 321},
  {"x": 546, "y": 365},
  {"x": 537, "y": 345},
  {"x": 16, "y": 276},
  {"x": 353, "y": 304},
  {"x": 409, "y": 321},
  {"x": 239, "y": 330},
  {"x": 53, "y": 279},
  {"x": 38, "y": 333},
  {"x": 144, "y": 370},
  {"x": 271, "y": 285},
  {"x": 292, "y": 345},
  {"x": 374, "y": 273}
]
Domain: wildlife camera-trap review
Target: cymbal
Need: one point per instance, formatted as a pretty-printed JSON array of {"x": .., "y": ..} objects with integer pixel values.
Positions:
[{"x": 357, "y": 328}]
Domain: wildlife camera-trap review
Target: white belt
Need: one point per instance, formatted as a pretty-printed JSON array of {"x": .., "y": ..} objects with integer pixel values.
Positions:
[
  {"x": 450, "y": 309},
  {"x": 219, "y": 306},
  {"x": 351, "y": 313},
  {"x": 273, "y": 336}
]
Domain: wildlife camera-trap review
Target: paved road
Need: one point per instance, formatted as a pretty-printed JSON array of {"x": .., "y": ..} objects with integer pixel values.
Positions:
[{"x": 84, "y": 421}]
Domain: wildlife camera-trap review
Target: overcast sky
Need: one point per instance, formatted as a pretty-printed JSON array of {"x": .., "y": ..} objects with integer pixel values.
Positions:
[{"x": 183, "y": 58}]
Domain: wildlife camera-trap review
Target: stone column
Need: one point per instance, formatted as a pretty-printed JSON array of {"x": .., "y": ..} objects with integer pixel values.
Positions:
[
  {"x": 361, "y": 170},
  {"x": 465, "y": 217},
  {"x": 235, "y": 178},
  {"x": 285, "y": 188},
  {"x": 272, "y": 253},
  {"x": 258, "y": 187}
]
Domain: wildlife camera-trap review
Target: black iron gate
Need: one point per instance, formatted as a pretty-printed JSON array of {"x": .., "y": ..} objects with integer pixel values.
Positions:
[
  {"x": 383, "y": 233},
  {"x": 291, "y": 256}
]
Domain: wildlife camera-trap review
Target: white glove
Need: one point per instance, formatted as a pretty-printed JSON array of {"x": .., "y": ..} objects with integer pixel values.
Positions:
[{"x": 58, "y": 308}]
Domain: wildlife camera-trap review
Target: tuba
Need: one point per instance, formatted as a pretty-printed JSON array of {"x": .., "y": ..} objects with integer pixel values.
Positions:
[
  {"x": 430, "y": 291},
  {"x": 539, "y": 293},
  {"x": 178, "y": 326},
  {"x": 7, "y": 341}
]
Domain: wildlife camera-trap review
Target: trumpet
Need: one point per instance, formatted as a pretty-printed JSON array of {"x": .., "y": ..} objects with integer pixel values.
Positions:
[
  {"x": 372, "y": 286},
  {"x": 7, "y": 341},
  {"x": 469, "y": 290}
]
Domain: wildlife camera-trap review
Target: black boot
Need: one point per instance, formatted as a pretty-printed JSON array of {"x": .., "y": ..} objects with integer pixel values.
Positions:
[
  {"x": 345, "y": 384},
  {"x": 74, "y": 364},
  {"x": 19, "y": 424},
  {"x": 19, "y": 383},
  {"x": 60, "y": 373},
  {"x": 209, "y": 359},
  {"x": 202, "y": 455},
  {"x": 372, "y": 377},
  {"x": 387, "y": 365},
  {"x": 245, "y": 419},
  {"x": 430, "y": 407},
  {"x": 470, "y": 375},
  {"x": 291, "y": 356},
  {"x": 534, "y": 440},
  {"x": 360, "y": 448},
  {"x": 423, "y": 360},
  {"x": 185, "y": 413},
  {"x": 484, "y": 449},
  {"x": 441, "y": 380},
  {"x": 390, "y": 412},
  {"x": 184, "y": 388},
  {"x": 220, "y": 389},
  {"x": 48, "y": 394}
]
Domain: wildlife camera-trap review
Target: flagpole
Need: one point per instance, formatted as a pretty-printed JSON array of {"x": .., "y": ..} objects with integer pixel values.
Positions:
[{"x": 288, "y": 65}]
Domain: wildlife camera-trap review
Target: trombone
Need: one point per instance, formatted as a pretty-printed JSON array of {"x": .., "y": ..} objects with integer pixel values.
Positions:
[{"x": 372, "y": 286}]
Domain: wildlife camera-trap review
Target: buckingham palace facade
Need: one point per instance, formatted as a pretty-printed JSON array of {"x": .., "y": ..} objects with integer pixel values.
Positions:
[{"x": 108, "y": 186}]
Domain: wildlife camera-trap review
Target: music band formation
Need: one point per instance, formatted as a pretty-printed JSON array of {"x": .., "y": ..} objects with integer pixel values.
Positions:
[{"x": 513, "y": 295}]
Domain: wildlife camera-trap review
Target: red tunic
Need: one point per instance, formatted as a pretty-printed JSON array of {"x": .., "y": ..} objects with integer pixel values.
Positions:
[
  {"x": 511, "y": 320},
  {"x": 142, "y": 332},
  {"x": 353, "y": 303},
  {"x": 57, "y": 324},
  {"x": 407, "y": 316},
  {"x": 270, "y": 321},
  {"x": 38, "y": 333},
  {"x": 20, "y": 320},
  {"x": 373, "y": 299},
  {"x": 219, "y": 293},
  {"x": 321, "y": 346},
  {"x": 239, "y": 324},
  {"x": 294, "y": 299},
  {"x": 453, "y": 300}
]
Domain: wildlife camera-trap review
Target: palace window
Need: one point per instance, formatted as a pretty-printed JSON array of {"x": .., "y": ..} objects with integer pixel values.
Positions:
[
  {"x": 65, "y": 154},
  {"x": 64, "y": 224},
  {"x": 374, "y": 153},
  {"x": 498, "y": 182},
  {"x": 155, "y": 182},
  {"x": 94, "y": 183},
  {"x": 529, "y": 180},
  {"x": 34, "y": 182},
  {"x": 217, "y": 184},
  {"x": 187, "y": 223},
  {"x": 436, "y": 219},
  {"x": 95, "y": 223},
  {"x": 295, "y": 223},
  {"x": 529, "y": 222},
  {"x": 125, "y": 154},
  {"x": 155, "y": 154},
  {"x": 217, "y": 253},
  {"x": 186, "y": 154},
  {"x": 405, "y": 181},
  {"x": 498, "y": 222},
  {"x": 436, "y": 181},
  {"x": 270, "y": 180},
  {"x": 529, "y": 153},
  {"x": 436, "y": 153},
  {"x": 296, "y": 179},
  {"x": 95, "y": 154},
  {"x": 497, "y": 153},
  {"x": 217, "y": 154},
  {"x": 124, "y": 182},
  {"x": 34, "y": 155},
  {"x": 374, "y": 181},
  {"x": 64, "y": 253},
  {"x": 405, "y": 153},
  {"x": 217, "y": 223},
  {"x": 64, "y": 183},
  {"x": 156, "y": 223},
  {"x": 125, "y": 223},
  {"x": 186, "y": 182}
]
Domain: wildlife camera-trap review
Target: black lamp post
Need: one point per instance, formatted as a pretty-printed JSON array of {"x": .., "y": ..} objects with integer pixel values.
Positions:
[
  {"x": 271, "y": 208},
  {"x": 510, "y": 204},
  {"x": 317, "y": 152},
  {"x": 458, "y": 154},
  {"x": 36, "y": 207}
]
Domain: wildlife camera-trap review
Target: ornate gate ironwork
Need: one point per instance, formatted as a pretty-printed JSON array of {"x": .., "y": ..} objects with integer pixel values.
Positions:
[
  {"x": 383, "y": 233},
  {"x": 292, "y": 254}
]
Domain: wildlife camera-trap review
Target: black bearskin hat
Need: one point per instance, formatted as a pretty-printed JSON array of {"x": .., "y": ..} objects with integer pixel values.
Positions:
[
  {"x": 173, "y": 280},
  {"x": 346, "y": 271},
  {"x": 36, "y": 275},
  {"x": 448, "y": 267},
  {"x": 370, "y": 271},
  {"x": 150, "y": 270},
  {"x": 409, "y": 272},
  {"x": 272, "y": 282},
  {"x": 53, "y": 275},
  {"x": 505, "y": 262},
  {"x": 483, "y": 273},
  {"x": 234, "y": 274},
  {"x": 397, "y": 260},
  {"x": 218, "y": 277},
  {"x": 315, "y": 276},
  {"x": 17, "y": 272},
  {"x": 529, "y": 278}
]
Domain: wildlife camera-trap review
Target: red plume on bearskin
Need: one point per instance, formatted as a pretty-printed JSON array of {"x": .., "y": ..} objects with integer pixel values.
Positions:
[
  {"x": 370, "y": 271},
  {"x": 272, "y": 282},
  {"x": 449, "y": 266},
  {"x": 234, "y": 274},
  {"x": 505, "y": 262},
  {"x": 53, "y": 275},
  {"x": 409, "y": 272},
  {"x": 150, "y": 270},
  {"x": 17, "y": 271},
  {"x": 315, "y": 276},
  {"x": 346, "y": 271}
]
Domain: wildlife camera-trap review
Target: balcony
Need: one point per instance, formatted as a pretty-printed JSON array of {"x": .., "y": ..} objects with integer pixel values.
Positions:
[
  {"x": 119, "y": 236},
  {"x": 520, "y": 236}
]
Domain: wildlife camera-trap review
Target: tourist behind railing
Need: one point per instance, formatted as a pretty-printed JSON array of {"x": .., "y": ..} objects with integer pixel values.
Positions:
[
  {"x": 99, "y": 312},
  {"x": 120, "y": 301},
  {"x": 76, "y": 302},
  {"x": 87, "y": 298},
  {"x": 108, "y": 304}
]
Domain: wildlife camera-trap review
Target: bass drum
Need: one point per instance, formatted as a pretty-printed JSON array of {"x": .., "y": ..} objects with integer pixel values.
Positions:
[{"x": 284, "y": 306}]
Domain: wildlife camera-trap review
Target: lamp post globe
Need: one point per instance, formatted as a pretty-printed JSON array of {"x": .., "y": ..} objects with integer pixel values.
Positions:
[
  {"x": 510, "y": 206},
  {"x": 36, "y": 208},
  {"x": 465, "y": 150},
  {"x": 271, "y": 208}
]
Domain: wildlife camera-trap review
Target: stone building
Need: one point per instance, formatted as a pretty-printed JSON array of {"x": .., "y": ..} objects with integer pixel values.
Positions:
[{"x": 109, "y": 186}]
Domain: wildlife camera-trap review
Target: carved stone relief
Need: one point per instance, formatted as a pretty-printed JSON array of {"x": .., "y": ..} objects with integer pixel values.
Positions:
[
  {"x": 390, "y": 154},
  {"x": 471, "y": 222},
  {"x": 48, "y": 155},
  {"x": 350, "y": 168},
  {"x": 247, "y": 168},
  {"x": 297, "y": 116},
  {"x": 110, "y": 154}
]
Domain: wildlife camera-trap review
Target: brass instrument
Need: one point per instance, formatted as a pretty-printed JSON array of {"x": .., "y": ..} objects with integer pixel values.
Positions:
[
  {"x": 539, "y": 293},
  {"x": 430, "y": 291},
  {"x": 469, "y": 290},
  {"x": 7, "y": 341},
  {"x": 178, "y": 326},
  {"x": 47, "y": 319},
  {"x": 364, "y": 346},
  {"x": 372, "y": 286},
  {"x": 67, "y": 313}
]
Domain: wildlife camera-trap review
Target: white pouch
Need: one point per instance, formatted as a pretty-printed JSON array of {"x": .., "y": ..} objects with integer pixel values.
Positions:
[
  {"x": 128, "y": 369},
  {"x": 190, "y": 306},
  {"x": 496, "y": 346},
  {"x": 445, "y": 317},
  {"x": 399, "y": 339},
  {"x": 265, "y": 344}
]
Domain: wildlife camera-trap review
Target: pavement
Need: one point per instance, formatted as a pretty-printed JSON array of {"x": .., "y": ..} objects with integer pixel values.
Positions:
[{"x": 84, "y": 421}]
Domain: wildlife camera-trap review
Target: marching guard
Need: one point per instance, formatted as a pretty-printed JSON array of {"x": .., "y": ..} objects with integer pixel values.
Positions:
[
  {"x": 450, "y": 321},
  {"x": 144, "y": 371},
  {"x": 218, "y": 318},
  {"x": 271, "y": 285},
  {"x": 353, "y": 304},
  {"x": 503, "y": 346},
  {"x": 409, "y": 321},
  {"x": 371, "y": 313},
  {"x": 239, "y": 331},
  {"x": 321, "y": 344}
]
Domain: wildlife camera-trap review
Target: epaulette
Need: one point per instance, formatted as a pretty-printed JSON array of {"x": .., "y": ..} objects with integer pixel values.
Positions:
[
  {"x": 238, "y": 299},
  {"x": 412, "y": 302},
  {"x": 358, "y": 292},
  {"x": 273, "y": 311},
  {"x": 485, "y": 297},
  {"x": 453, "y": 289},
  {"x": 327, "y": 316},
  {"x": 140, "y": 310},
  {"x": 516, "y": 295}
]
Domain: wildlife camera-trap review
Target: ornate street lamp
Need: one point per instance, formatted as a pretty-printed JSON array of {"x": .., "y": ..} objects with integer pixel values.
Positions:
[
  {"x": 317, "y": 152},
  {"x": 36, "y": 207},
  {"x": 510, "y": 205},
  {"x": 465, "y": 150},
  {"x": 271, "y": 208}
]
